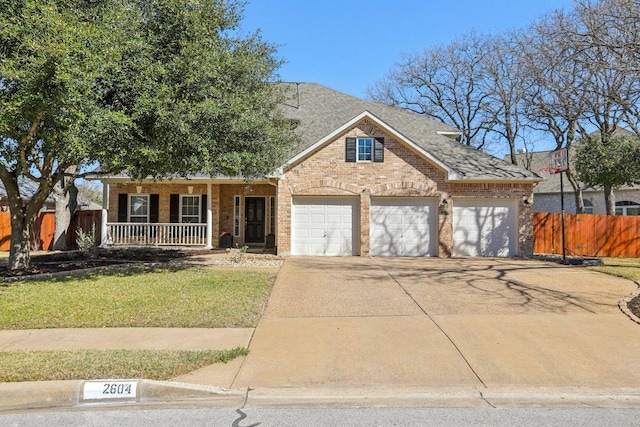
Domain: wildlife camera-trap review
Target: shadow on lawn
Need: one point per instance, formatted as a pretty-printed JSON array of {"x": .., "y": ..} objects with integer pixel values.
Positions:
[{"x": 69, "y": 265}]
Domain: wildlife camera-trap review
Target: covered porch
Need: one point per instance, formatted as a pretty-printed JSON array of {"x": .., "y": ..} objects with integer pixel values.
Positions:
[{"x": 198, "y": 212}]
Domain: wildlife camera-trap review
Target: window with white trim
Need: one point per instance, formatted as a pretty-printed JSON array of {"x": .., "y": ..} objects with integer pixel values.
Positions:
[
  {"x": 365, "y": 149},
  {"x": 627, "y": 208},
  {"x": 190, "y": 209},
  {"x": 588, "y": 206},
  {"x": 236, "y": 216},
  {"x": 139, "y": 208}
]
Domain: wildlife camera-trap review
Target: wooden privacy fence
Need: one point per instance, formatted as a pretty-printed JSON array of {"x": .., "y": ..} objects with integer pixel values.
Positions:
[
  {"x": 43, "y": 229},
  {"x": 587, "y": 235}
]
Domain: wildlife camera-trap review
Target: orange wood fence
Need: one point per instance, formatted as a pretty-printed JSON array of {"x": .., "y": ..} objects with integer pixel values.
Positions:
[
  {"x": 587, "y": 235},
  {"x": 42, "y": 233}
]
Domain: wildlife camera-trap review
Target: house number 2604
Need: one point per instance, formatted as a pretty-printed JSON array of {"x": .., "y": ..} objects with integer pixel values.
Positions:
[
  {"x": 115, "y": 388},
  {"x": 97, "y": 390}
]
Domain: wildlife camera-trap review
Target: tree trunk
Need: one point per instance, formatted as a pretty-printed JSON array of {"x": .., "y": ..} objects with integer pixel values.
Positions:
[
  {"x": 610, "y": 200},
  {"x": 577, "y": 191},
  {"x": 513, "y": 153},
  {"x": 66, "y": 197},
  {"x": 19, "y": 257}
]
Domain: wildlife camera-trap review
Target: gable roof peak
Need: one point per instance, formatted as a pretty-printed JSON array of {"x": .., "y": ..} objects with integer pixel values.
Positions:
[{"x": 321, "y": 111}]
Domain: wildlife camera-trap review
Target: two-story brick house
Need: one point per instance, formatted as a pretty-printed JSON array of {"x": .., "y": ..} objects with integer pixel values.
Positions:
[{"x": 367, "y": 179}]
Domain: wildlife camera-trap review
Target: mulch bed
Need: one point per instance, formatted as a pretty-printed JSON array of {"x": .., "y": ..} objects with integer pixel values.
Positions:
[
  {"x": 634, "y": 306},
  {"x": 80, "y": 260}
]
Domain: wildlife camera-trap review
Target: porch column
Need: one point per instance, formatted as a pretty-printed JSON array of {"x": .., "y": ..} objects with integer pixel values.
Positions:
[
  {"x": 209, "y": 218},
  {"x": 105, "y": 211}
]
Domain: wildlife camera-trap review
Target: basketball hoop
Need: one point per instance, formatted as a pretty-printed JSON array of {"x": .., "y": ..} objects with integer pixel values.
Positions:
[{"x": 558, "y": 161}]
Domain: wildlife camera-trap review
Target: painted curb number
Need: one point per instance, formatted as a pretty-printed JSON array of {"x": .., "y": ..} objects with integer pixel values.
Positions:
[{"x": 115, "y": 389}]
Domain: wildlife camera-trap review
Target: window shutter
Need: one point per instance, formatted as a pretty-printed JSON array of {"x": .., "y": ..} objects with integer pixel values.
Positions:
[
  {"x": 154, "y": 208},
  {"x": 203, "y": 209},
  {"x": 351, "y": 150},
  {"x": 378, "y": 149},
  {"x": 174, "y": 208},
  {"x": 123, "y": 207}
]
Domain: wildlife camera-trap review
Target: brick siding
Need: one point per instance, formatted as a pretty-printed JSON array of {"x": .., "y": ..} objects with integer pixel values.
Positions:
[
  {"x": 404, "y": 172},
  {"x": 222, "y": 201}
]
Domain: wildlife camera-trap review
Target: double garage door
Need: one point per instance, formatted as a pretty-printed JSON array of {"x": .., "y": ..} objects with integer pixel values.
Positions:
[{"x": 330, "y": 226}]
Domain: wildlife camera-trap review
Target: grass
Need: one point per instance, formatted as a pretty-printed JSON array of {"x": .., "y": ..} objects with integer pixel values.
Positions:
[
  {"x": 18, "y": 366},
  {"x": 628, "y": 268},
  {"x": 157, "y": 298},
  {"x": 160, "y": 297}
]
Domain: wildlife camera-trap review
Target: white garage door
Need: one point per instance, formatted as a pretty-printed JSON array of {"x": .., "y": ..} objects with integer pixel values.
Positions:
[
  {"x": 324, "y": 226},
  {"x": 403, "y": 227},
  {"x": 484, "y": 227}
]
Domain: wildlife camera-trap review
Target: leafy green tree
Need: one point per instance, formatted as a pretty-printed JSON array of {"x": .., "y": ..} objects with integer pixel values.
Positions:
[
  {"x": 609, "y": 164},
  {"x": 153, "y": 87}
]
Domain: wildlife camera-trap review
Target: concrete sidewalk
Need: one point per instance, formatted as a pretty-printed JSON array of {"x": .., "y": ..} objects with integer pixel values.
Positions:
[
  {"x": 126, "y": 338},
  {"x": 371, "y": 331}
]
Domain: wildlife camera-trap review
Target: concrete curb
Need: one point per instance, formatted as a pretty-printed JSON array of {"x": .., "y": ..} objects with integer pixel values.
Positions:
[
  {"x": 67, "y": 394},
  {"x": 623, "y": 304},
  {"x": 445, "y": 397}
]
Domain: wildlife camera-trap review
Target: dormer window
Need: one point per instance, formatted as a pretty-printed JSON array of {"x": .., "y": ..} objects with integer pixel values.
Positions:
[{"x": 364, "y": 149}]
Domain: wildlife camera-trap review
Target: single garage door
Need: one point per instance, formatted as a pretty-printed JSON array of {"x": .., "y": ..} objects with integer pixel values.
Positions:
[
  {"x": 484, "y": 227},
  {"x": 403, "y": 227},
  {"x": 324, "y": 226}
]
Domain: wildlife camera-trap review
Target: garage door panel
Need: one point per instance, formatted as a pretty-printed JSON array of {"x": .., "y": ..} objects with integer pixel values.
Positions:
[
  {"x": 403, "y": 227},
  {"x": 329, "y": 230},
  {"x": 484, "y": 228}
]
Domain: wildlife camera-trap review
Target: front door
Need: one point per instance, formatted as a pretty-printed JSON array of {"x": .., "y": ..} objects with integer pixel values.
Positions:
[{"x": 254, "y": 219}]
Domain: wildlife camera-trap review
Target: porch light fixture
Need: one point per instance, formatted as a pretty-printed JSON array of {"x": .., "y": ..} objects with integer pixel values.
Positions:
[
  {"x": 190, "y": 189},
  {"x": 526, "y": 202},
  {"x": 138, "y": 189},
  {"x": 444, "y": 203}
]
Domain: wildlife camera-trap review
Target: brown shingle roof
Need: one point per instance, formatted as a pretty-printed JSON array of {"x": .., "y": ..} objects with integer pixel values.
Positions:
[{"x": 321, "y": 110}]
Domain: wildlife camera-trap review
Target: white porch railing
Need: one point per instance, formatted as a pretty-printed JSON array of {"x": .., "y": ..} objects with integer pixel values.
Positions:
[{"x": 156, "y": 234}]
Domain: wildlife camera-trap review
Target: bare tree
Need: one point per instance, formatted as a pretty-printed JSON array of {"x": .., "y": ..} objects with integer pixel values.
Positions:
[
  {"x": 613, "y": 88},
  {"x": 554, "y": 84},
  {"x": 505, "y": 87},
  {"x": 446, "y": 83}
]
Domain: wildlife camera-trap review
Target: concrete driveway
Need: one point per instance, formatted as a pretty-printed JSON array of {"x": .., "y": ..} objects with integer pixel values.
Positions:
[{"x": 405, "y": 322}]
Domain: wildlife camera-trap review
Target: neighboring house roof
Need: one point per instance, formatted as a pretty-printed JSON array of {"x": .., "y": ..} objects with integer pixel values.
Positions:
[
  {"x": 320, "y": 111},
  {"x": 538, "y": 162},
  {"x": 28, "y": 188}
]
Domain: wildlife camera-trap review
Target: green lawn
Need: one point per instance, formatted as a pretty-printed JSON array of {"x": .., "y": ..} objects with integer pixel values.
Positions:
[
  {"x": 158, "y": 298},
  {"x": 97, "y": 364},
  {"x": 134, "y": 298},
  {"x": 629, "y": 268}
]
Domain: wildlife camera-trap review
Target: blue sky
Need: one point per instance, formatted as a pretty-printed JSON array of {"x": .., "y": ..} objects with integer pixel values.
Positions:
[{"x": 348, "y": 45}]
